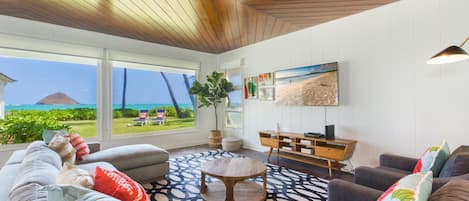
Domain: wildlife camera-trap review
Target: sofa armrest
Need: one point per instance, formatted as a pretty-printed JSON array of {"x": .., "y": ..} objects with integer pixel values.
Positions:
[
  {"x": 339, "y": 190},
  {"x": 397, "y": 162},
  {"x": 376, "y": 178},
  {"x": 94, "y": 147}
]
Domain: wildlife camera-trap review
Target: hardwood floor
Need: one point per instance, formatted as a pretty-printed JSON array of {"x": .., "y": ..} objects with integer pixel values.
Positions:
[{"x": 295, "y": 165}]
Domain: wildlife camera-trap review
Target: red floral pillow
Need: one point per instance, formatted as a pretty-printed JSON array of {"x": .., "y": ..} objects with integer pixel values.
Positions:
[
  {"x": 118, "y": 185},
  {"x": 79, "y": 144}
]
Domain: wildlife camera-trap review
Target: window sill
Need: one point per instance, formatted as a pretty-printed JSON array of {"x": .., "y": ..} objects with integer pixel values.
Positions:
[{"x": 157, "y": 133}]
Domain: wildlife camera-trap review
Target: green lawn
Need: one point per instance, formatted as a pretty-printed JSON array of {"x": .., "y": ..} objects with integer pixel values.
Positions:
[{"x": 121, "y": 126}]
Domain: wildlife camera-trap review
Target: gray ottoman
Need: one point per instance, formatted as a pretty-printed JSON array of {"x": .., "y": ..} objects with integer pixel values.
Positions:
[
  {"x": 231, "y": 144},
  {"x": 141, "y": 162}
]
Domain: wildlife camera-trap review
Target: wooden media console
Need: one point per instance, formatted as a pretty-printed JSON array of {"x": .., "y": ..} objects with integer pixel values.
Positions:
[{"x": 315, "y": 151}]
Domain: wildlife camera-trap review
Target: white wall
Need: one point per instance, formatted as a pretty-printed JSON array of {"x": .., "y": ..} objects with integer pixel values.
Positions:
[
  {"x": 31, "y": 29},
  {"x": 390, "y": 99}
]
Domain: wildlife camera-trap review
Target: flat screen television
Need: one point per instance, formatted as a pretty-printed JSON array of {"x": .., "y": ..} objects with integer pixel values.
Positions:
[{"x": 315, "y": 85}]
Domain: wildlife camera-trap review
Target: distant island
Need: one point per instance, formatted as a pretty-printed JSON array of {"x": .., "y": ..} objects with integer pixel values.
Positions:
[{"x": 58, "y": 98}]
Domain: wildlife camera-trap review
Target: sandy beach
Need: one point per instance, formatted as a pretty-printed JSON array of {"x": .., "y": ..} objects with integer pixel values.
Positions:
[{"x": 320, "y": 90}]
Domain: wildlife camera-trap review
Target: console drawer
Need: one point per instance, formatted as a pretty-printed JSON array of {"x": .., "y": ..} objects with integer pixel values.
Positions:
[{"x": 329, "y": 152}]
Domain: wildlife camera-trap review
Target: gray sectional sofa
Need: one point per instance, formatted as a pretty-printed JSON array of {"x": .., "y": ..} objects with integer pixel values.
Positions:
[
  {"x": 37, "y": 166},
  {"x": 370, "y": 183}
]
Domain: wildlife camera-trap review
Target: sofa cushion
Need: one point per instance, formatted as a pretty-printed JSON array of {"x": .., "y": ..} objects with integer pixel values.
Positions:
[
  {"x": 62, "y": 146},
  {"x": 16, "y": 157},
  {"x": 40, "y": 167},
  {"x": 79, "y": 145},
  {"x": 7, "y": 177},
  {"x": 118, "y": 185},
  {"x": 416, "y": 187},
  {"x": 457, "y": 164},
  {"x": 71, "y": 174},
  {"x": 47, "y": 135},
  {"x": 433, "y": 159},
  {"x": 455, "y": 190},
  {"x": 129, "y": 156},
  {"x": 73, "y": 193}
]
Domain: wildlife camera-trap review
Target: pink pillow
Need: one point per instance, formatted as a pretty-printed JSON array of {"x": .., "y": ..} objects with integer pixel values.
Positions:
[{"x": 79, "y": 144}]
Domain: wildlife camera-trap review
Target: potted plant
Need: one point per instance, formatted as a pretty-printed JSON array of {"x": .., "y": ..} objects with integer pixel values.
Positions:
[{"x": 210, "y": 94}]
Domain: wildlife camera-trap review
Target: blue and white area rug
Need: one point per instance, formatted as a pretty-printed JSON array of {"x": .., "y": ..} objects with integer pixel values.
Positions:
[{"x": 183, "y": 181}]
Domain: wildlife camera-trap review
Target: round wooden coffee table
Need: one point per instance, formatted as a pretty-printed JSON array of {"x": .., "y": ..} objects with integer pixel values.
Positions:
[{"x": 232, "y": 172}]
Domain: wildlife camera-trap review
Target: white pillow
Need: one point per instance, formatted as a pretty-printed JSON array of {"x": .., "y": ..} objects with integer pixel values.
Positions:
[
  {"x": 62, "y": 146},
  {"x": 70, "y": 174}
]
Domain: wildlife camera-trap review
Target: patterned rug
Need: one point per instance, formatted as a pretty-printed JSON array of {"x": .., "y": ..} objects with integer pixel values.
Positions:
[{"x": 183, "y": 181}]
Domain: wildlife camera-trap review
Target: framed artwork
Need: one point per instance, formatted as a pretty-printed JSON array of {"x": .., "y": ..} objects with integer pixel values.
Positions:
[
  {"x": 266, "y": 79},
  {"x": 267, "y": 93},
  {"x": 309, "y": 85},
  {"x": 251, "y": 88}
]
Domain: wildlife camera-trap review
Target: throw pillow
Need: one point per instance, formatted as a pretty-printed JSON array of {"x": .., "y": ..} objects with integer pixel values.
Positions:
[
  {"x": 79, "y": 144},
  {"x": 74, "y": 193},
  {"x": 455, "y": 190},
  {"x": 433, "y": 159},
  {"x": 47, "y": 135},
  {"x": 415, "y": 187},
  {"x": 70, "y": 174},
  {"x": 118, "y": 185},
  {"x": 62, "y": 146}
]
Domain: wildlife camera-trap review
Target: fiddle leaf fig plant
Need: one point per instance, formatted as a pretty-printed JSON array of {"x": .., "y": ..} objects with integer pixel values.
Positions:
[{"x": 213, "y": 92}]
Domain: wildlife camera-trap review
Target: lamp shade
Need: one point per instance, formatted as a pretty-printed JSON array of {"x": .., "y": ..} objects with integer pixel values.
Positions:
[{"x": 449, "y": 55}]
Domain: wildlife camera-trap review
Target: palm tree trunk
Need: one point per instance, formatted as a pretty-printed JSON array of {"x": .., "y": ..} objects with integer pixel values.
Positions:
[
  {"x": 173, "y": 99},
  {"x": 124, "y": 90},
  {"x": 186, "y": 81}
]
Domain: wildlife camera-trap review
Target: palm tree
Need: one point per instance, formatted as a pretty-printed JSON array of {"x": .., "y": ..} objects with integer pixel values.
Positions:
[
  {"x": 186, "y": 81},
  {"x": 173, "y": 99},
  {"x": 124, "y": 90}
]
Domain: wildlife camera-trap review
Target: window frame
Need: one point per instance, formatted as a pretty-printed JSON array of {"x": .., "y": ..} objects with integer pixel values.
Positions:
[
  {"x": 103, "y": 62},
  {"x": 239, "y": 110}
]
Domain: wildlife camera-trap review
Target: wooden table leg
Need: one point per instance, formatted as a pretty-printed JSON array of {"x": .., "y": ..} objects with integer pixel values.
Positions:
[
  {"x": 203, "y": 186},
  {"x": 229, "y": 185},
  {"x": 265, "y": 184},
  {"x": 329, "y": 165},
  {"x": 270, "y": 153}
]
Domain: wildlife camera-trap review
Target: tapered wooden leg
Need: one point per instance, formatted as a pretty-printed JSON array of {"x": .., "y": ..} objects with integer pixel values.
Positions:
[
  {"x": 229, "y": 190},
  {"x": 203, "y": 186},
  {"x": 329, "y": 165},
  {"x": 265, "y": 184},
  {"x": 270, "y": 153}
]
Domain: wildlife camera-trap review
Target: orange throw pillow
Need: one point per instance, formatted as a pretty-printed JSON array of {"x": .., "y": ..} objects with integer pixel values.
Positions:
[
  {"x": 118, "y": 185},
  {"x": 79, "y": 144}
]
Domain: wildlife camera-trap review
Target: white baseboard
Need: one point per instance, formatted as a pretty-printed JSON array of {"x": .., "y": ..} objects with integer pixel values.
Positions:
[
  {"x": 188, "y": 144},
  {"x": 255, "y": 148}
]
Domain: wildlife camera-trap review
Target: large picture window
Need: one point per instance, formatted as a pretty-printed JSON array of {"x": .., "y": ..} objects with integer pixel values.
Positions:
[
  {"x": 46, "y": 94},
  {"x": 149, "y": 99}
]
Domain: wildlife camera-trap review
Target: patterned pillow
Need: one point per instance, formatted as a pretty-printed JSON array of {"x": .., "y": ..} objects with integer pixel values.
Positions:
[
  {"x": 47, "y": 135},
  {"x": 433, "y": 159},
  {"x": 414, "y": 187},
  {"x": 62, "y": 146},
  {"x": 70, "y": 174},
  {"x": 118, "y": 185},
  {"x": 79, "y": 144}
]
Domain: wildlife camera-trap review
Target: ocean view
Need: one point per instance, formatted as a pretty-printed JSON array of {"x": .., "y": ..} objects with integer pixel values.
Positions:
[{"x": 114, "y": 106}]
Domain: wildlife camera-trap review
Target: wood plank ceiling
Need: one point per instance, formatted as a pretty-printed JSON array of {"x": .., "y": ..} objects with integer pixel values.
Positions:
[{"x": 213, "y": 26}]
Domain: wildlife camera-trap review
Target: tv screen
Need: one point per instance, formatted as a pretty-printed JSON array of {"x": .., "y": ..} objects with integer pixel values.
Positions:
[{"x": 315, "y": 85}]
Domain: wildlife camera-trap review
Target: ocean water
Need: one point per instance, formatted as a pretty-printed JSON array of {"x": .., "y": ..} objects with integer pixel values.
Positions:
[{"x": 93, "y": 106}]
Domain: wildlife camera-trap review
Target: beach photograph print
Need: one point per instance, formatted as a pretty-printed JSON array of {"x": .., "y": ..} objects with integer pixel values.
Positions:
[{"x": 315, "y": 85}]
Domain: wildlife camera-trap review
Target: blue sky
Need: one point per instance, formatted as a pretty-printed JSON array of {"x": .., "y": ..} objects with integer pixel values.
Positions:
[{"x": 37, "y": 79}]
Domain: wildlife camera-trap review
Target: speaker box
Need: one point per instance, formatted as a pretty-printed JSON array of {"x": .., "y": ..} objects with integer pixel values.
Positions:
[{"x": 330, "y": 132}]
